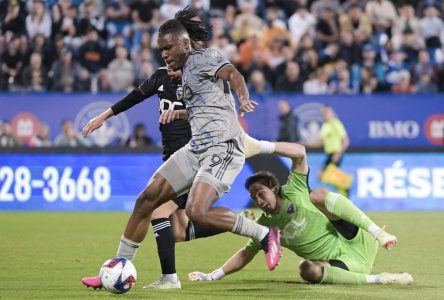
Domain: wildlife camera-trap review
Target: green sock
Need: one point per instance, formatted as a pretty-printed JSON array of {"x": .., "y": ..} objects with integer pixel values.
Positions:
[
  {"x": 344, "y": 209},
  {"x": 341, "y": 276}
]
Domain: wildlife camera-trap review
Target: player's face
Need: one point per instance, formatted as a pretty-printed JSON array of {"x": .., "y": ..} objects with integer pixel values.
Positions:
[
  {"x": 174, "y": 48},
  {"x": 264, "y": 197}
]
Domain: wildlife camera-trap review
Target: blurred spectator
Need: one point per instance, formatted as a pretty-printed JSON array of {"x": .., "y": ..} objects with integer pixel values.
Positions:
[
  {"x": 406, "y": 22},
  {"x": 317, "y": 84},
  {"x": 91, "y": 53},
  {"x": 368, "y": 81},
  {"x": 7, "y": 137},
  {"x": 247, "y": 48},
  {"x": 41, "y": 138},
  {"x": 300, "y": 23},
  {"x": 117, "y": 14},
  {"x": 42, "y": 46},
  {"x": 11, "y": 65},
  {"x": 275, "y": 30},
  {"x": 349, "y": 51},
  {"x": 329, "y": 54},
  {"x": 14, "y": 18},
  {"x": 411, "y": 45},
  {"x": 425, "y": 84},
  {"x": 369, "y": 61},
  {"x": 423, "y": 66},
  {"x": 403, "y": 85},
  {"x": 69, "y": 137},
  {"x": 290, "y": 81},
  {"x": 144, "y": 16},
  {"x": 121, "y": 71},
  {"x": 318, "y": 6},
  {"x": 67, "y": 75},
  {"x": 139, "y": 137},
  {"x": 169, "y": 8},
  {"x": 257, "y": 84},
  {"x": 432, "y": 30},
  {"x": 25, "y": 49},
  {"x": 357, "y": 23},
  {"x": 91, "y": 18},
  {"x": 38, "y": 21},
  {"x": 144, "y": 70},
  {"x": 288, "y": 123},
  {"x": 35, "y": 76},
  {"x": 342, "y": 82},
  {"x": 327, "y": 29},
  {"x": 396, "y": 66},
  {"x": 382, "y": 14},
  {"x": 246, "y": 22}
]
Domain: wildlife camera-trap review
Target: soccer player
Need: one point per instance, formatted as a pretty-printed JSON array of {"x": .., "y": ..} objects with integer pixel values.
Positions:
[
  {"x": 338, "y": 246},
  {"x": 209, "y": 163}
]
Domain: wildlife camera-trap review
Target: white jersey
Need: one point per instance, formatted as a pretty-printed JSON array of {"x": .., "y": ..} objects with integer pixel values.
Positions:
[{"x": 209, "y": 103}]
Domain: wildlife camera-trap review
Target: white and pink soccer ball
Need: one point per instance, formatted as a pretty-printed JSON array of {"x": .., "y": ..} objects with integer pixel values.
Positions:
[{"x": 118, "y": 275}]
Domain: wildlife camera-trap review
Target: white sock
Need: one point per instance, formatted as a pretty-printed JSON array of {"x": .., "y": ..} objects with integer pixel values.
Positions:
[
  {"x": 372, "y": 279},
  {"x": 247, "y": 227},
  {"x": 127, "y": 248},
  {"x": 373, "y": 229},
  {"x": 171, "y": 277}
]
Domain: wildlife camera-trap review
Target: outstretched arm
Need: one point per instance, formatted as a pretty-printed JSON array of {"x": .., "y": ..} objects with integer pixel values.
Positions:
[
  {"x": 294, "y": 151},
  {"x": 235, "y": 263},
  {"x": 237, "y": 82}
]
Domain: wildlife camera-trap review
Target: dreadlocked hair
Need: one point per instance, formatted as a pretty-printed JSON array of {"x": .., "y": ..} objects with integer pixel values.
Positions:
[{"x": 197, "y": 31}]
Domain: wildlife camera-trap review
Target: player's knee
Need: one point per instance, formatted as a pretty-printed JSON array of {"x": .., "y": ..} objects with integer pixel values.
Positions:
[
  {"x": 309, "y": 271},
  {"x": 317, "y": 196},
  {"x": 196, "y": 213}
]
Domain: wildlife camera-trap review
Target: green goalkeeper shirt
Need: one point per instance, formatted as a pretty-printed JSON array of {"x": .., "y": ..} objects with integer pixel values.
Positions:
[{"x": 304, "y": 229}]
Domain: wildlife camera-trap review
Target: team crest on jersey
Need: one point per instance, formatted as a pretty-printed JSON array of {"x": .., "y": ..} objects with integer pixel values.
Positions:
[
  {"x": 179, "y": 92},
  {"x": 290, "y": 209}
]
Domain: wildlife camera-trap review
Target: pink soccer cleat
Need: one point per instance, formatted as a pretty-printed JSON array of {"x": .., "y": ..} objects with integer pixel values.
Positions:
[
  {"x": 272, "y": 247},
  {"x": 93, "y": 282}
]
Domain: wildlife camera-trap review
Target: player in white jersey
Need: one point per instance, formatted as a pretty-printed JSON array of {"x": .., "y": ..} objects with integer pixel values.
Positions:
[{"x": 210, "y": 162}]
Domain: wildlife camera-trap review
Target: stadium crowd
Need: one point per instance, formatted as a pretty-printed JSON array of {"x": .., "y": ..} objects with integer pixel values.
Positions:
[{"x": 311, "y": 47}]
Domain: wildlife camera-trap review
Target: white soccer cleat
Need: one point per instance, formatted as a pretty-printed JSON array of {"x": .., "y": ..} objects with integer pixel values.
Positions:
[
  {"x": 164, "y": 284},
  {"x": 395, "y": 278},
  {"x": 386, "y": 240}
]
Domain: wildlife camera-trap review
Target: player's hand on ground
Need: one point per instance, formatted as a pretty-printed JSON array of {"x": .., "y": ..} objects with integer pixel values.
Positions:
[
  {"x": 92, "y": 125},
  {"x": 246, "y": 105},
  {"x": 169, "y": 116},
  {"x": 199, "y": 276}
]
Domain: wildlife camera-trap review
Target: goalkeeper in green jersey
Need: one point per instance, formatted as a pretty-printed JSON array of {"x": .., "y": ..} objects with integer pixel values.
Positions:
[{"x": 337, "y": 241}]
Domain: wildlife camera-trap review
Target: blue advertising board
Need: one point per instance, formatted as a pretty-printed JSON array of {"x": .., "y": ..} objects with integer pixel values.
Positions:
[
  {"x": 371, "y": 121},
  {"x": 104, "y": 182}
]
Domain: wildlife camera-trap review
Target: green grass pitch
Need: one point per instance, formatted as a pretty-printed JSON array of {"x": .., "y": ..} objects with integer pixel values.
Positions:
[{"x": 44, "y": 256}]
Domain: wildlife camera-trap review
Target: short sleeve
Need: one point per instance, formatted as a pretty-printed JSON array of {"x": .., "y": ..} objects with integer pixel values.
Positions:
[{"x": 208, "y": 62}]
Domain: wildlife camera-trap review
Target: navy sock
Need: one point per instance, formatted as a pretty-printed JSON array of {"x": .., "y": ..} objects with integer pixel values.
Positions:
[
  {"x": 196, "y": 231},
  {"x": 165, "y": 244}
]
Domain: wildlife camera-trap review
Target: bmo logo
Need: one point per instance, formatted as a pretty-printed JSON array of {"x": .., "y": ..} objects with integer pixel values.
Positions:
[
  {"x": 434, "y": 129},
  {"x": 393, "y": 130}
]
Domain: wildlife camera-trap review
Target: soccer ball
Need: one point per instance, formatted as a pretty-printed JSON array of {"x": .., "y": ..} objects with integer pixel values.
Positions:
[{"x": 118, "y": 275}]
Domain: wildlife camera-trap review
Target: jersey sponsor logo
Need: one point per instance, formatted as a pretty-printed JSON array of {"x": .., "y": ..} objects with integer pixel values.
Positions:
[
  {"x": 434, "y": 129},
  {"x": 115, "y": 130},
  {"x": 309, "y": 121},
  {"x": 293, "y": 229},
  {"x": 166, "y": 104},
  {"x": 290, "y": 209}
]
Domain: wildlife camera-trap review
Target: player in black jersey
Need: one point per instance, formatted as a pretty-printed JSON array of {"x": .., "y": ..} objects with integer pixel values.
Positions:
[{"x": 176, "y": 132}]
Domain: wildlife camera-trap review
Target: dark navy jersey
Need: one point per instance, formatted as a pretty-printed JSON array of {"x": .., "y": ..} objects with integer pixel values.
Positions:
[{"x": 175, "y": 134}]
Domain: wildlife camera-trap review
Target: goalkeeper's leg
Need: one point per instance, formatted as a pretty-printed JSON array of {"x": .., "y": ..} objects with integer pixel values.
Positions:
[
  {"x": 337, "y": 207},
  {"x": 336, "y": 272}
]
